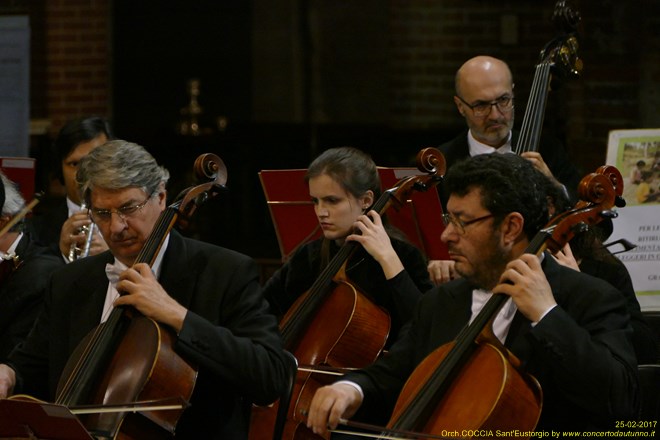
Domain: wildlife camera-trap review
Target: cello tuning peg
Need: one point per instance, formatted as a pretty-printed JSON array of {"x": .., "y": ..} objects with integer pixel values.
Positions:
[
  {"x": 609, "y": 214},
  {"x": 580, "y": 228}
]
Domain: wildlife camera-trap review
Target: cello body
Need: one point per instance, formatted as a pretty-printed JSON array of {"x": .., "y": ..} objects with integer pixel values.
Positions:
[
  {"x": 349, "y": 331},
  {"x": 502, "y": 398},
  {"x": 142, "y": 368}
]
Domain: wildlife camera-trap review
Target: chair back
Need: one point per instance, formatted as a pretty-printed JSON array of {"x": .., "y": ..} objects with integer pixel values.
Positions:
[
  {"x": 285, "y": 399},
  {"x": 649, "y": 383}
]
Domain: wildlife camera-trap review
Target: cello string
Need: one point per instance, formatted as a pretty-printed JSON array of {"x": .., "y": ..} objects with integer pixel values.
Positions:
[
  {"x": 539, "y": 114},
  {"x": 534, "y": 112},
  {"x": 530, "y": 112}
]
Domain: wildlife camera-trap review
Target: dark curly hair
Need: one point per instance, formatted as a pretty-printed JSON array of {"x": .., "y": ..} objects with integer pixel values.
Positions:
[{"x": 508, "y": 183}]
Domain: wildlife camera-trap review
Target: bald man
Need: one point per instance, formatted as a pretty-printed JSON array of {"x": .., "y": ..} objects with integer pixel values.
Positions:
[{"x": 484, "y": 97}]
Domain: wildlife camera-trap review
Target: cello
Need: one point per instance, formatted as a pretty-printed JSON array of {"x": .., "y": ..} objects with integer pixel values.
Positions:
[
  {"x": 334, "y": 325},
  {"x": 160, "y": 382},
  {"x": 558, "y": 58}
]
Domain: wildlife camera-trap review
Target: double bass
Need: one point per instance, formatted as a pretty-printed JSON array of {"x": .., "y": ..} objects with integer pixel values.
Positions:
[
  {"x": 334, "y": 325},
  {"x": 558, "y": 59},
  {"x": 129, "y": 361},
  {"x": 474, "y": 384}
]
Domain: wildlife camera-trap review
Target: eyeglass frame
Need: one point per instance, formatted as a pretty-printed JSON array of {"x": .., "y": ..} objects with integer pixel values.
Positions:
[
  {"x": 459, "y": 224},
  {"x": 133, "y": 209},
  {"x": 490, "y": 105}
]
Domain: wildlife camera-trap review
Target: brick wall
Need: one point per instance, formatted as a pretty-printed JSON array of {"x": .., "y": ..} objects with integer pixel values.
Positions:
[
  {"x": 618, "y": 45},
  {"x": 428, "y": 40},
  {"x": 77, "y": 43},
  {"x": 431, "y": 39}
]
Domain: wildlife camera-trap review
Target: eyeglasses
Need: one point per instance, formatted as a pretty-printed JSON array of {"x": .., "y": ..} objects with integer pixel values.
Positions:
[
  {"x": 480, "y": 108},
  {"x": 105, "y": 215},
  {"x": 459, "y": 224}
]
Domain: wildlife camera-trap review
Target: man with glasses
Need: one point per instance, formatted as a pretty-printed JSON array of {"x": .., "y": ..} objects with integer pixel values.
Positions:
[
  {"x": 484, "y": 97},
  {"x": 208, "y": 297},
  {"x": 570, "y": 331}
]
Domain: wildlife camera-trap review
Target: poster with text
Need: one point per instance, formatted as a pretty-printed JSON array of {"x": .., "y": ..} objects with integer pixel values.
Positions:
[{"x": 636, "y": 153}]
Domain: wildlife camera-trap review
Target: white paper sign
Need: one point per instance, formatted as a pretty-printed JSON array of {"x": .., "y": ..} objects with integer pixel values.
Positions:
[{"x": 636, "y": 153}]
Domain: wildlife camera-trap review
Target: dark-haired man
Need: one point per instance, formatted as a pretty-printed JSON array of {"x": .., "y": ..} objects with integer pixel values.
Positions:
[{"x": 58, "y": 224}]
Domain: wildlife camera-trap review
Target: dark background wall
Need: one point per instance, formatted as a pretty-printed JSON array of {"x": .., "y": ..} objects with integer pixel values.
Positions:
[{"x": 290, "y": 78}]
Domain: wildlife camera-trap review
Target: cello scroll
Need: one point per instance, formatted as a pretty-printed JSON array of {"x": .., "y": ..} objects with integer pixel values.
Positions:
[{"x": 211, "y": 169}]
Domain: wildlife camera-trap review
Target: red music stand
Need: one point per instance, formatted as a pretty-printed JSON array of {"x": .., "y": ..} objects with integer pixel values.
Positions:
[
  {"x": 295, "y": 223},
  {"x": 30, "y": 419}
]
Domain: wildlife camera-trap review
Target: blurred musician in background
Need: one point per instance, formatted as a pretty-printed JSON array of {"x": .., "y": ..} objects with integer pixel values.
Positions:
[
  {"x": 24, "y": 271},
  {"x": 484, "y": 97},
  {"x": 61, "y": 224}
]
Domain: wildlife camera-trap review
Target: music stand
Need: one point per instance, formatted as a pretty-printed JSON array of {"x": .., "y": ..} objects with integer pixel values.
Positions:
[
  {"x": 30, "y": 419},
  {"x": 295, "y": 222}
]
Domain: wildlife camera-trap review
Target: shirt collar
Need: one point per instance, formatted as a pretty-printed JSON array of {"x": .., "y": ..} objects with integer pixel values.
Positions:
[
  {"x": 72, "y": 207},
  {"x": 504, "y": 317},
  {"x": 120, "y": 267},
  {"x": 477, "y": 147}
]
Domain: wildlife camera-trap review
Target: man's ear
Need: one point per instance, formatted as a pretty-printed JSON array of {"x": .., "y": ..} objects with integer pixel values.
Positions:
[
  {"x": 459, "y": 106},
  {"x": 512, "y": 228},
  {"x": 162, "y": 195}
]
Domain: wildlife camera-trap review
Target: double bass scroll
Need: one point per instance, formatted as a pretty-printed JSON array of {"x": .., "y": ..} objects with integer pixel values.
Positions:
[{"x": 558, "y": 59}]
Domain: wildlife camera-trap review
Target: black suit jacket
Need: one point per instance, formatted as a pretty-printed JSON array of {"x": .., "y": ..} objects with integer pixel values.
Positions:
[
  {"x": 645, "y": 340},
  {"x": 552, "y": 151},
  {"x": 580, "y": 352},
  {"x": 46, "y": 223},
  {"x": 21, "y": 292},
  {"x": 227, "y": 333}
]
